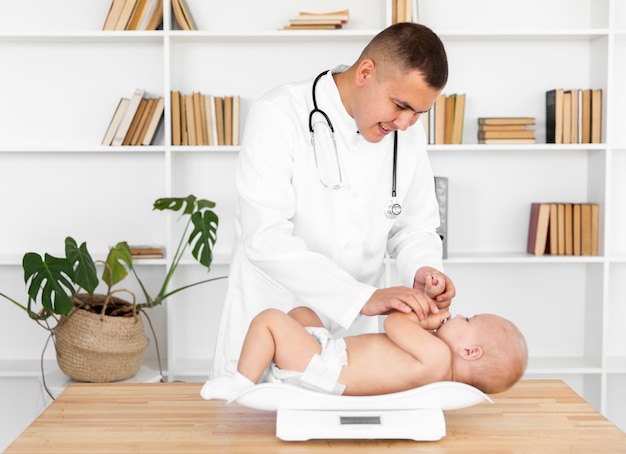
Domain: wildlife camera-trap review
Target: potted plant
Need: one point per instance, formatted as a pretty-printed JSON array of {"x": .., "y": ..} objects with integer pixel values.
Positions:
[{"x": 100, "y": 337}]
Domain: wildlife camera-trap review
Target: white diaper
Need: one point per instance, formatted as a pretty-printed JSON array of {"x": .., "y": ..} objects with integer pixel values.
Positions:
[{"x": 323, "y": 370}]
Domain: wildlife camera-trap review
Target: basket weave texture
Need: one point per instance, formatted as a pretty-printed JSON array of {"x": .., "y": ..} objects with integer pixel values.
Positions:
[{"x": 99, "y": 348}]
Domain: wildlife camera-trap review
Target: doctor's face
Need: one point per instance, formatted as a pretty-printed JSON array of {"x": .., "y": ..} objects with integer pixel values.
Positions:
[{"x": 390, "y": 101}]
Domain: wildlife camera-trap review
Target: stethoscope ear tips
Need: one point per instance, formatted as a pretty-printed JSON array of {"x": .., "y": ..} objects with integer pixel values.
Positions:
[{"x": 393, "y": 209}]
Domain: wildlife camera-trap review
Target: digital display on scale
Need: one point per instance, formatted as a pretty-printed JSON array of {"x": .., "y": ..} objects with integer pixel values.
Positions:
[{"x": 354, "y": 420}]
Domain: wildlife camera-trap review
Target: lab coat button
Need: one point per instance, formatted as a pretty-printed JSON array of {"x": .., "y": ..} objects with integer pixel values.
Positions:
[{"x": 349, "y": 245}]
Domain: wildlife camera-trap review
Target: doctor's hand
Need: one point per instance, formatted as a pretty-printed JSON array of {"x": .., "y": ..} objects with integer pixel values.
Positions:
[
  {"x": 402, "y": 299},
  {"x": 423, "y": 280}
]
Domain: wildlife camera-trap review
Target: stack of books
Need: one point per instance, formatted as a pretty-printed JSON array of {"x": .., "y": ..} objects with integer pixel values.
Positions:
[
  {"x": 199, "y": 119},
  {"x": 503, "y": 130},
  {"x": 573, "y": 116},
  {"x": 318, "y": 21},
  {"x": 563, "y": 229},
  {"x": 135, "y": 120},
  {"x": 134, "y": 15},
  {"x": 146, "y": 251}
]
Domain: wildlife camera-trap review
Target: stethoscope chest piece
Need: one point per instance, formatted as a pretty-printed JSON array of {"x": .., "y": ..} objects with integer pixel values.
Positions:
[{"x": 393, "y": 208}]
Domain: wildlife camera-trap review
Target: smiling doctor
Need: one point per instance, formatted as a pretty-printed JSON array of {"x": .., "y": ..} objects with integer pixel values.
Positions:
[{"x": 332, "y": 174}]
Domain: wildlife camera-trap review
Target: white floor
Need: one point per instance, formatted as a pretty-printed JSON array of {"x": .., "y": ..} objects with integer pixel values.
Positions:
[{"x": 21, "y": 401}]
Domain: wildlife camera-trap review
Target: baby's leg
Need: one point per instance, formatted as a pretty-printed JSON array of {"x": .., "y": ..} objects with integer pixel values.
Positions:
[
  {"x": 305, "y": 316},
  {"x": 274, "y": 335}
]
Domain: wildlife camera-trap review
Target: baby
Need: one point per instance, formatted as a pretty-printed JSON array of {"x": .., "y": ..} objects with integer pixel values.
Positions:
[{"x": 485, "y": 351}]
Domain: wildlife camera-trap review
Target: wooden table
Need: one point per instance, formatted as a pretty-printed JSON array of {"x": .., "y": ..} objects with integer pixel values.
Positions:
[{"x": 533, "y": 417}]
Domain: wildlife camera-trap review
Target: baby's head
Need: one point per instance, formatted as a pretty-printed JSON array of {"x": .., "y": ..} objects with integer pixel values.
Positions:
[{"x": 488, "y": 351}]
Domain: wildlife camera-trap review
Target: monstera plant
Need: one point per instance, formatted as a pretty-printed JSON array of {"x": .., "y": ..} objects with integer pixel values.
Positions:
[{"x": 64, "y": 288}]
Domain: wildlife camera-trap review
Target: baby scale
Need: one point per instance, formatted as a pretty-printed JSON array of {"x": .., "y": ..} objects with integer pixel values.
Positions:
[{"x": 416, "y": 414}]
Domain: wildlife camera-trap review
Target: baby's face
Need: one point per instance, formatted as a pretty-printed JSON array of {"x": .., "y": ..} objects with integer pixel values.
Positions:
[{"x": 460, "y": 329}]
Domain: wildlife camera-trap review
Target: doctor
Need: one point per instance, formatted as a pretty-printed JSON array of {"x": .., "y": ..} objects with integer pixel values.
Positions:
[{"x": 332, "y": 173}]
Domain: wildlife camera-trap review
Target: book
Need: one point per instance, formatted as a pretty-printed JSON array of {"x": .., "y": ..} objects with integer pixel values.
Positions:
[
  {"x": 569, "y": 229},
  {"x": 228, "y": 120},
  {"x": 128, "y": 117},
  {"x": 141, "y": 9},
  {"x": 114, "y": 14},
  {"x": 560, "y": 223},
  {"x": 575, "y": 115},
  {"x": 507, "y": 134},
  {"x": 538, "y": 228},
  {"x": 143, "y": 122},
  {"x": 567, "y": 116},
  {"x": 219, "y": 119},
  {"x": 125, "y": 14},
  {"x": 176, "y": 120},
  {"x": 155, "y": 121},
  {"x": 184, "y": 132},
  {"x": 190, "y": 123},
  {"x": 503, "y": 127},
  {"x": 199, "y": 119},
  {"x": 576, "y": 235},
  {"x": 209, "y": 118},
  {"x": 135, "y": 122},
  {"x": 505, "y": 141},
  {"x": 441, "y": 192},
  {"x": 596, "y": 116},
  {"x": 115, "y": 121},
  {"x": 554, "y": 116},
  {"x": 154, "y": 16},
  {"x": 449, "y": 118},
  {"x": 440, "y": 119},
  {"x": 595, "y": 232},
  {"x": 236, "y": 119},
  {"x": 182, "y": 15},
  {"x": 311, "y": 27},
  {"x": 585, "y": 112},
  {"x": 458, "y": 118},
  {"x": 585, "y": 229},
  {"x": 492, "y": 121},
  {"x": 553, "y": 231}
]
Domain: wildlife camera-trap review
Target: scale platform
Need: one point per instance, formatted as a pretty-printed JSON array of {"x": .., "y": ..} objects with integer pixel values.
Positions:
[{"x": 416, "y": 414}]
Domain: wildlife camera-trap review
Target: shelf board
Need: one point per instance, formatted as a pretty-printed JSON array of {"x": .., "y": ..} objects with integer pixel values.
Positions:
[
  {"x": 25, "y": 148},
  {"x": 525, "y": 34},
  {"x": 84, "y": 36},
  {"x": 562, "y": 365},
  {"x": 517, "y": 258},
  {"x": 534, "y": 147}
]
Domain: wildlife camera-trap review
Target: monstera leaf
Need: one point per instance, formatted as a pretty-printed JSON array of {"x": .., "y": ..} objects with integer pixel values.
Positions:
[
  {"x": 50, "y": 277},
  {"x": 204, "y": 220},
  {"x": 85, "y": 274},
  {"x": 115, "y": 271},
  {"x": 204, "y": 235}
]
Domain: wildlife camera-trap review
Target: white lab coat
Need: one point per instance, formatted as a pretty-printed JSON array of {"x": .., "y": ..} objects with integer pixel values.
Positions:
[{"x": 300, "y": 243}]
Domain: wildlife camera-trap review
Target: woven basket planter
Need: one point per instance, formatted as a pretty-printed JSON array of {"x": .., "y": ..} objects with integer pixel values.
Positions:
[{"x": 99, "y": 348}]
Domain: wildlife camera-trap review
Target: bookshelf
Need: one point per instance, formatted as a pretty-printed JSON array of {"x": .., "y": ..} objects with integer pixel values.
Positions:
[{"x": 67, "y": 76}]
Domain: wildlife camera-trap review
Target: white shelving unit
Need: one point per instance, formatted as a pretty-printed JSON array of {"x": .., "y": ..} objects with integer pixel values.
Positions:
[{"x": 62, "y": 78}]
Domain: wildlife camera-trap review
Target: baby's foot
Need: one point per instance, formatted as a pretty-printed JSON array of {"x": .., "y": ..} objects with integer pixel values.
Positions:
[{"x": 225, "y": 387}]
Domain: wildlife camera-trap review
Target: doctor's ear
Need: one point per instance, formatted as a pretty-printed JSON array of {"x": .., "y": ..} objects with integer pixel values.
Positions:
[
  {"x": 364, "y": 71},
  {"x": 471, "y": 353}
]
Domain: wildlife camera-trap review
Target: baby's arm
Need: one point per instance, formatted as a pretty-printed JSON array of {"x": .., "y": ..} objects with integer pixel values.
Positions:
[{"x": 406, "y": 332}]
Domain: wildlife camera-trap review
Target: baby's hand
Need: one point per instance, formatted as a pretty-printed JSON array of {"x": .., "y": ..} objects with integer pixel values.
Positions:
[
  {"x": 434, "y": 321},
  {"x": 435, "y": 284}
]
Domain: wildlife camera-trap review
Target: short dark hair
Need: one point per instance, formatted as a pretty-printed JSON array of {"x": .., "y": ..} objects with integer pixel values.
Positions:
[{"x": 411, "y": 46}]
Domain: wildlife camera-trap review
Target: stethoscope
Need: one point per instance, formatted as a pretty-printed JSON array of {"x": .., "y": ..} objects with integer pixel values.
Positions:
[{"x": 393, "y": 208}]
